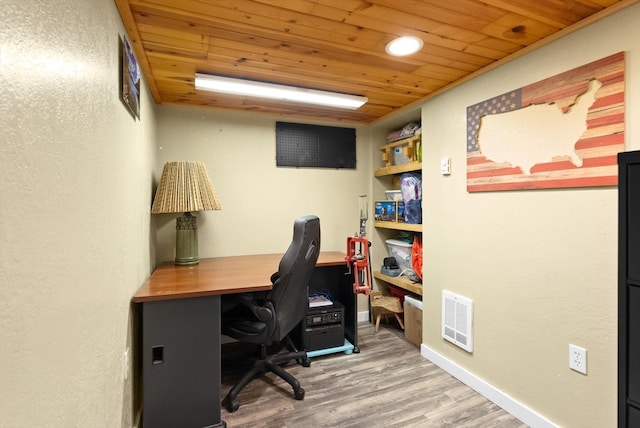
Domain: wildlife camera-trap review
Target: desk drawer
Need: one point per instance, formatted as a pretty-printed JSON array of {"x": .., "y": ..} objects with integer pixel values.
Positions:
[{"x": 323, "y": 337}]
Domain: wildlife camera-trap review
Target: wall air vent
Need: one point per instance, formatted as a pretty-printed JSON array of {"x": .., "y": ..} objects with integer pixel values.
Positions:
[{"x": 457, "y": 314}]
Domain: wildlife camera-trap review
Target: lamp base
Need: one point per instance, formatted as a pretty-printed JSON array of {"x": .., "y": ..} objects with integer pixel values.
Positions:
[{"x": 187, "y": 240}]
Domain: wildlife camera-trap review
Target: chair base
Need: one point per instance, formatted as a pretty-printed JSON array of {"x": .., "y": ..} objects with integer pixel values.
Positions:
[{"x": 261, "y": 367}]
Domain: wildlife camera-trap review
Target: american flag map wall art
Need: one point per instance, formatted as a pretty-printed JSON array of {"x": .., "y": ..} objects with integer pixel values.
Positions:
[{"x": 564, "y": 131}]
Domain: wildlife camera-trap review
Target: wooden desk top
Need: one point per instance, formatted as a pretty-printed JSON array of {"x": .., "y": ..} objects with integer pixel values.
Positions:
[{"x": 219, "y": 275}]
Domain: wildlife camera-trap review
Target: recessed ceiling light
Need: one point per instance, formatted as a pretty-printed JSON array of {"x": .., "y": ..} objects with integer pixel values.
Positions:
[{"x": 403, "y": 46}]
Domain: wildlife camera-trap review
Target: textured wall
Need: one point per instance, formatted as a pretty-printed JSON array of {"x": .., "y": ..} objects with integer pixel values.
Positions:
[
  {"x": 259, "y": 200},
  {"x": 76, "y": 174},
  {"x": 75, "y": 191},
  {"x": 540, "y": 266}
]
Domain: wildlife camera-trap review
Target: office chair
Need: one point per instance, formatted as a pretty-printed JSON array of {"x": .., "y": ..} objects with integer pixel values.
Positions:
[{"x": 267, "y": 318}]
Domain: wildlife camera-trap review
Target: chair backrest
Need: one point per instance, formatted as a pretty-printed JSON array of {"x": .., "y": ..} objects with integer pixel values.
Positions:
[{"x": 290, "y": 293}]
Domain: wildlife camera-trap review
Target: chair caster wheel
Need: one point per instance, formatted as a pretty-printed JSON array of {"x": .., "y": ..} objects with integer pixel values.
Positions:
[
  {"x": 306, "y": 362},
  {"x": 299, "y": 394},
  {"x": 231, "y": 405}
]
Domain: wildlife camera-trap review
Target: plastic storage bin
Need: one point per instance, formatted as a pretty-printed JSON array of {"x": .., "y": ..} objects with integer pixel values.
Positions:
[
  {"x": 393, "y": 195},
  {"x": 402, "y": 252}
]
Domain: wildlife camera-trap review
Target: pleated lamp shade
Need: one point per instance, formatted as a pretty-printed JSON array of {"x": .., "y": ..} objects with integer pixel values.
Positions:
[{"x": 185, "y": 187}]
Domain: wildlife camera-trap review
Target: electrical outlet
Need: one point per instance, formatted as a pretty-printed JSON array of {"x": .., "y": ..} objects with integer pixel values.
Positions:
[
  {"x": 125, "y": 364},
  {"x": 578, "y": 359}
]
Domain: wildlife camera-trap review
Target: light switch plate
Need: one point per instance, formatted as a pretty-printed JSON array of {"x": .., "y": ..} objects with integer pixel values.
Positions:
[{"x": 445, "y": 165}]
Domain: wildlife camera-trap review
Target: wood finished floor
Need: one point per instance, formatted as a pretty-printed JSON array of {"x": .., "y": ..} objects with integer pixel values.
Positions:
[{"x": 388, "y": 384}]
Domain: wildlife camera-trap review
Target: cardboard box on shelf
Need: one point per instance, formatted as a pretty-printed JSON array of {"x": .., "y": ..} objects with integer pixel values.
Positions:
[{"x": 389, "y": 211}]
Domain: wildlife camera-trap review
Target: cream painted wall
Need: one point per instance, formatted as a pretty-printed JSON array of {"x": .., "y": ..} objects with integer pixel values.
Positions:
[
  {"x": 259, "y": 200},
  {"x": 75, "y": 191},
  {"x": 540, "y": 266},
  {"x": 77, "y": 238}
]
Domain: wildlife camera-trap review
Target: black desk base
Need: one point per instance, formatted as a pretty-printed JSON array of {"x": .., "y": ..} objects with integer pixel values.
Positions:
[
  {"x": 337, "y": 281},
  {"x": 181, "y": 363}
]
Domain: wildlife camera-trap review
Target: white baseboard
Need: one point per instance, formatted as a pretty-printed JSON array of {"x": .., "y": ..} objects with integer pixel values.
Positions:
[
  {"x": 490, "y": 392},
  {"x": 363, "y": 316}
]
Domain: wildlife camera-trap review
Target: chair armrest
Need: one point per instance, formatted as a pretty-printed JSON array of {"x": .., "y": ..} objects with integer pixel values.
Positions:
[
  {"x": 264, "y": 312},
  {"x": 275, "y": 277}
]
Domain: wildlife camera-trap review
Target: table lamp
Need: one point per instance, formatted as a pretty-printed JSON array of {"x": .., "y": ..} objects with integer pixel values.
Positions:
[{"x": 185, "y": 187}]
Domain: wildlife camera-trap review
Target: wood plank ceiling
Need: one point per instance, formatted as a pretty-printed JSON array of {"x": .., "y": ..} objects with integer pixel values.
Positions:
[{"x": 338, "y": 45}]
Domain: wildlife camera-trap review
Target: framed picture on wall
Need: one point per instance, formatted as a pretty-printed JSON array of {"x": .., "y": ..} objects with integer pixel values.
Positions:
[{"x": 129, "y": 78}]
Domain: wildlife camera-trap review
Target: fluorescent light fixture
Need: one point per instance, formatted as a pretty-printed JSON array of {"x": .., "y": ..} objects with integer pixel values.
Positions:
[
  {"x": 249, "y": 88},
  {"x": 403, "y": 46}
]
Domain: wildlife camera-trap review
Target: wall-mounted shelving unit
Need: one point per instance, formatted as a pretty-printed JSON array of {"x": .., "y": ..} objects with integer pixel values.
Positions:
[
  {"x": 398, "y": 169},
  {"x": 411, "y": 147},
  {"x": 400, "y": 281},
  {"x": 398, "y": 226}
]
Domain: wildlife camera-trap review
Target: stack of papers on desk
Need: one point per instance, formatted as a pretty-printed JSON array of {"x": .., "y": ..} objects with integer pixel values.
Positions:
[{"x": 315, "y": 301}]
